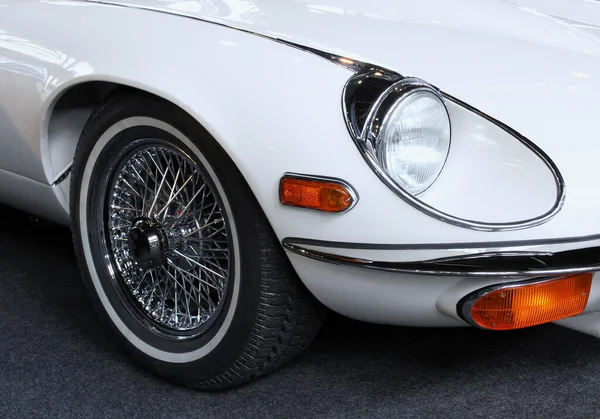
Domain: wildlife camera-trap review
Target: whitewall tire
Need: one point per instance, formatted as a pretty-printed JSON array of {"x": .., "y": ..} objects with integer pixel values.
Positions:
[{"x": 180, "y": 262}]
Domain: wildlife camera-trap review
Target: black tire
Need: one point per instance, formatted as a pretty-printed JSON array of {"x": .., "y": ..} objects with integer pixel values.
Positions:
[{"x": 267, "y": 317}]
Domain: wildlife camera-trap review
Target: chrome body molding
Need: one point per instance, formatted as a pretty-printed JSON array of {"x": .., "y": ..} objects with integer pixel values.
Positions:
[
  {"x": 498, "y": 264},
  {"x": 351, "y": 64},
  {"x": 337, "y": 181},
  {"x": 64, "y": 175},
  {"x": 443, "y": 246}
]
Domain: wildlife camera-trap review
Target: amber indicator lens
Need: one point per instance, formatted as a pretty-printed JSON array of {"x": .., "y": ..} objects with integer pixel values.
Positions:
[
  {"x": 530, "y": 305},
  {"x": 314, "y": 194}
]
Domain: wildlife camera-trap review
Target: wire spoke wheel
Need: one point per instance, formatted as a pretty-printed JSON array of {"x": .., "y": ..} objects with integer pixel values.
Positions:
[
  {"x": 167, "y": 238},
  {"x": 179, "y": 260}
]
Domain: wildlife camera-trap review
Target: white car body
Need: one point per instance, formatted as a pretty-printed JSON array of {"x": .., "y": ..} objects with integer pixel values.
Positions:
[{"x": 247, "y": 71}]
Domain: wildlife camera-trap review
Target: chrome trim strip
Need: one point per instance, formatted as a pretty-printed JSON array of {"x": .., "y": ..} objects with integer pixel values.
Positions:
[
  {"x": 355, "y": 66},
  {"x": 465, "y": 304},
  {"x": 511, "y": 264},
  {"x": 365, "y": 138},
  {"x": 441, "y": 246},
  {"x": 341, "y": 182},
  {"x": 349, "y": 63},
  {"x": 63, "y": 175}
]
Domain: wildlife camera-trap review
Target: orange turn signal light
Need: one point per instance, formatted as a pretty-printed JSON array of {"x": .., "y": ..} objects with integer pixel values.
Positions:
[
  {"x": 532, "y": 304},
  {"x": 323, "y": 195}
]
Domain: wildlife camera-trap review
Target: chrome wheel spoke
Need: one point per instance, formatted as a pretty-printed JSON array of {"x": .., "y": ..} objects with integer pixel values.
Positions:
[{"x": 167, "y": 237}]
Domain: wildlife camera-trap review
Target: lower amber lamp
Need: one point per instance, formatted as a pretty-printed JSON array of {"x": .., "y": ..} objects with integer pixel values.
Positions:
[{"x": 518, "y": 306}]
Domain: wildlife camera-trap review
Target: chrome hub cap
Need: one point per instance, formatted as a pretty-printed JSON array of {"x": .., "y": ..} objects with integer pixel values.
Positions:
[
  {"x": 147, "y": 243},
  {"x": 168, "y": 239}
]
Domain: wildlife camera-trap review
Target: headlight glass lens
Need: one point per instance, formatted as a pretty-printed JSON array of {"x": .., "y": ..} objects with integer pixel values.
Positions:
[{"x": 414, "y": 140}]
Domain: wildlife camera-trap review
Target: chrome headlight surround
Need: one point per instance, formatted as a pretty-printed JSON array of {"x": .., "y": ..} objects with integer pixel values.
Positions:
[
  {"x": 388, "y": 93},
  {"x": 362, "y": 98},
  {"x": 374, "y": 144}
]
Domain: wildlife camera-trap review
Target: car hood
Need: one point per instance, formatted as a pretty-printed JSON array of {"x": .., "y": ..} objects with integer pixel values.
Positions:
[
  {"x": 485, "y": 52},
  {"x": 533, "y": 64}
]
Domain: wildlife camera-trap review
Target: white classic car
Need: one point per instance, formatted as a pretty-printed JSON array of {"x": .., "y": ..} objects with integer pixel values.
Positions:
[{"x": 229, "y": 168}]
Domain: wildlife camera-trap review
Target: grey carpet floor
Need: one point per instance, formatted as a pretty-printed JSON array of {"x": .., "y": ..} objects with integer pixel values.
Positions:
[{"x": 55, "y": 360}]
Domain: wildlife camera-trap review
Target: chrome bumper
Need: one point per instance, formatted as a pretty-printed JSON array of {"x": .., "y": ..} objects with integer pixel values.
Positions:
[{"x": 509, "y": 264}]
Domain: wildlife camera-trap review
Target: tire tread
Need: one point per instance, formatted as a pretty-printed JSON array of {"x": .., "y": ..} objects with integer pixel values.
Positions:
[{"x": 288, "y": 319}]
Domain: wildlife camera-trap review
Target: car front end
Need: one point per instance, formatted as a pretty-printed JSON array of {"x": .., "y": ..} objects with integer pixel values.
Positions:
[{"x": 497, "y": 227}]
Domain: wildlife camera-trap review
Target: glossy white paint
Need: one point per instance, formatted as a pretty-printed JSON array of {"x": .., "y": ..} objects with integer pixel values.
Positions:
[
  {"x": 378, "y": 297},
  {"x": 277, "y": 109}
]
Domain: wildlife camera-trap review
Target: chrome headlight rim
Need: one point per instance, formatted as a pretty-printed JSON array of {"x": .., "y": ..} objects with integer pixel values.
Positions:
[
  {"x": 396, "y": 96},
  {"x": 358, "y": 132}
]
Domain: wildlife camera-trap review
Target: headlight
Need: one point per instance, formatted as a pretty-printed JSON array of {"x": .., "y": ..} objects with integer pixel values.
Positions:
[
  {"x": 405, "y": 134},
  {"x": 414, "y": 140}
]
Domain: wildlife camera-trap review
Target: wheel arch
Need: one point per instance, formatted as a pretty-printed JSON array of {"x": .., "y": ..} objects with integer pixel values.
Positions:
[
  {"x": 70, "y": 107},
  {"x": 67, "y": 115}
]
